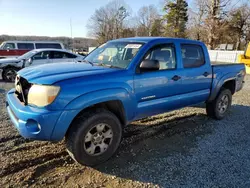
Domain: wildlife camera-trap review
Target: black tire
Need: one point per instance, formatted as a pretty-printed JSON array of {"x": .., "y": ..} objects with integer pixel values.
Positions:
[
  {"x": 6, "y": 74},
  {"x": 213, "y": 108},
  {"x": 75, "y": 137}
]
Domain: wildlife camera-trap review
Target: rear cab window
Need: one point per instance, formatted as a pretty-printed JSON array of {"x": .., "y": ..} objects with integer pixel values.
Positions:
[{"x": 192, "y": 56}]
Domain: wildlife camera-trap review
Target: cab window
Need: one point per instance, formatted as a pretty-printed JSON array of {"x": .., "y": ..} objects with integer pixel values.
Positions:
[
  {"x": 165, "y": 54},
  {"x": 9, "y": 46}
]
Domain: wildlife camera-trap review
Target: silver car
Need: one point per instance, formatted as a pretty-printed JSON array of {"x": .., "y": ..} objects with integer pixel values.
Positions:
[{"x": 10, "y": 66}]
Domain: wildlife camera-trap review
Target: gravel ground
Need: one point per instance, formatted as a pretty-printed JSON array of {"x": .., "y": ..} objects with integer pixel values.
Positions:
[{"x": 183, "y": 148}]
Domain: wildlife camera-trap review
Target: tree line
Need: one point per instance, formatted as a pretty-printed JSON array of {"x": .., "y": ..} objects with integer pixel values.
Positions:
[{"x": 211, "y": 21}]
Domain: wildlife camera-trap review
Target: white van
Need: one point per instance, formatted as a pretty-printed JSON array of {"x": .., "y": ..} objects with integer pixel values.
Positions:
[{"x": 30, "y": 45}]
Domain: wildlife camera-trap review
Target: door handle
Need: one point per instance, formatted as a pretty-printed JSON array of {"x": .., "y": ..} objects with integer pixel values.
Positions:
[
  {"x": 176, "y": 78},
  {"x": 205, "y": 74}
]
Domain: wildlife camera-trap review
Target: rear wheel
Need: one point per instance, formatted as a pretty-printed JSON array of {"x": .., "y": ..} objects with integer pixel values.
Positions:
[
  {"x": 9, "y": 74},
  {"x": 94, "y": 137},
  {"x": 219, "y": 107}
]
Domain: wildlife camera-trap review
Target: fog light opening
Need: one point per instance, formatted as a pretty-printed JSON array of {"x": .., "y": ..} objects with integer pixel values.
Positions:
[{"x": 33, "y": 126}]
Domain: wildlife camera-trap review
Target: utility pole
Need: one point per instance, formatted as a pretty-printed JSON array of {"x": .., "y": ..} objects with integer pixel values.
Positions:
[{"x": 72, "y": 40}]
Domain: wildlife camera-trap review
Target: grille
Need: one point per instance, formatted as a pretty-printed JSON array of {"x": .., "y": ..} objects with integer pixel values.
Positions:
[{"x": 22, "y": 89}]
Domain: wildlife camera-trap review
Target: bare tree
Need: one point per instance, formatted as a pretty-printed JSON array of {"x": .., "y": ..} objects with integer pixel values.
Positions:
[
  {"x": 215, "y": 21},
  {"x": 196, "y": 20},
  {"x": 147, "y": 15},
  {"x": 240, "y": 23},
  {"x": 108, "y": 22}
]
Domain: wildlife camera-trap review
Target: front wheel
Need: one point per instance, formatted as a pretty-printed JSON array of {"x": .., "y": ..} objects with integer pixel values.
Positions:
[
  {"x": 94, "y": 137},
  {"x": 219, "y": 107},
  {"x": 9, "y": 74}
]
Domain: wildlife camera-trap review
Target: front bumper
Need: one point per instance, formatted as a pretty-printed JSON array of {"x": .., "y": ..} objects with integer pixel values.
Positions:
[
  {"x": 31, "y": 122},
  {"x": 37, "y": 123}
]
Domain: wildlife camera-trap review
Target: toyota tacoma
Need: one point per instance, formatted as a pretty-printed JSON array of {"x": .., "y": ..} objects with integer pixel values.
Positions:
[{"x": 121, "y": 81}]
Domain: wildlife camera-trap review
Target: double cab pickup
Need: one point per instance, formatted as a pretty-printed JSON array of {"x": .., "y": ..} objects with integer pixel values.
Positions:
[{"x": 121, "y": 81}]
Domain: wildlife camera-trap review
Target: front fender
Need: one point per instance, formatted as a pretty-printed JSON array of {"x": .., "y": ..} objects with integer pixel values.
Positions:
[
  {"x": 16, "y": 65},
  {"x": 105, "y": 95},
  {"x": 86, "y": 100},
  {"x": 218, "y": 83}
]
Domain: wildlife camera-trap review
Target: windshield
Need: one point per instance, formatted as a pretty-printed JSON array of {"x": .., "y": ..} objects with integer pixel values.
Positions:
[
  {"x": 1, "y": 45},
  {"x": 116, "y": 54},
  {"x": 27, "y": 55}
]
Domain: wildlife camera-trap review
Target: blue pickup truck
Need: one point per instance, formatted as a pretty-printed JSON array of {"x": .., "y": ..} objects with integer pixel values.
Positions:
[{"x": 121, "y": 81}]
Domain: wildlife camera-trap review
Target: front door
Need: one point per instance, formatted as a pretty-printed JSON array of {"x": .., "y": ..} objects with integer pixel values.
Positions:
[
  {"x": 156, "y": 90},
  {"x": 41, "y": 58}
]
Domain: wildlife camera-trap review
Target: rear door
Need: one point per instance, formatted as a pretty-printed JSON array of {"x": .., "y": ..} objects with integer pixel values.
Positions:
[
  {"x": 59, "y": 56},
  {"x": 196, "y": 73}
]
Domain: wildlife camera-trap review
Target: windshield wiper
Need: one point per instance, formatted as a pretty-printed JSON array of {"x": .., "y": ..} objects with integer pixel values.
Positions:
[
  {"x": 88, "y": 62},
  {"x": 107, "y": 65}
]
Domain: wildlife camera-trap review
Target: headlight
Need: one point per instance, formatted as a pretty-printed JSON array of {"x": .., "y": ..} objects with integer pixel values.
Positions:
[{"x": 42, "y": 95}]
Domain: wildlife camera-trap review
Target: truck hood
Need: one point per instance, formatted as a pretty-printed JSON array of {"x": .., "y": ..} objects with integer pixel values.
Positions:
[{"x": 55, "y": 72}]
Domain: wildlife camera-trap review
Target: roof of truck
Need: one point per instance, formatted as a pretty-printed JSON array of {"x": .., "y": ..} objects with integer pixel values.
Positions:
[{"x": 150, "y": 39}]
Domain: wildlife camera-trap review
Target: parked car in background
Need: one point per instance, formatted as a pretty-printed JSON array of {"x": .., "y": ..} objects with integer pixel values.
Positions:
[
  {"x": 122, "y": 81},
  {"x": 17, "y": 48},
  {"x": 10, "y": 66}
]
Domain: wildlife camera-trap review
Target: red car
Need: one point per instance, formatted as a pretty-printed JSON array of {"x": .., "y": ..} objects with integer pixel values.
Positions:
[{"x": 18, "y": 48}]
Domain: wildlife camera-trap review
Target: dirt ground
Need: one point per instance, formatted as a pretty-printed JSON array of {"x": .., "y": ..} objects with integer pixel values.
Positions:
[{"x": 183, "y": 148}]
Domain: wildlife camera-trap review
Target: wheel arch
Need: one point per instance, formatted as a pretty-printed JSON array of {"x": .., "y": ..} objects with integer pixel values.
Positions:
[
  {"x": 69, "y": 117},
  {"x": 228, "y": 82},
  {"x": 118, "y": 106},
  {"x": 114, "y": 106},
  {"x": 9, "y": 66}
]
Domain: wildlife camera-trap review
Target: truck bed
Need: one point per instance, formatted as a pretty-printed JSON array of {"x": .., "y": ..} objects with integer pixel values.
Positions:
[
  {"x": 216, "y": 63},
  {"x": 224, "y": 71}
]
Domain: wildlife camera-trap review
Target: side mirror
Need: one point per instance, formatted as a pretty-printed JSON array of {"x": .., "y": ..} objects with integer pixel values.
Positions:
[
  {"x": 29, "y": 61},
  {"x": 149, "y": 65}
]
